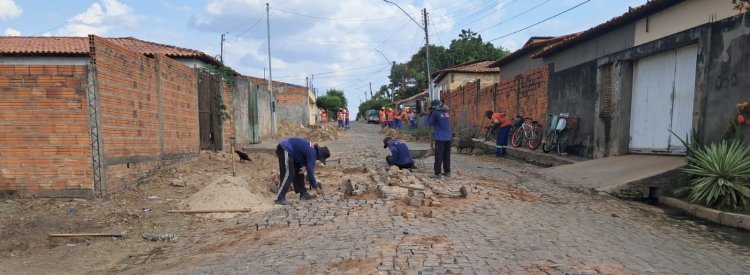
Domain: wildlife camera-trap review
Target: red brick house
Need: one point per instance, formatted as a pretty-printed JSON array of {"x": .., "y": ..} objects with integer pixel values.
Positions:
[{"x": 87, "y": 116}]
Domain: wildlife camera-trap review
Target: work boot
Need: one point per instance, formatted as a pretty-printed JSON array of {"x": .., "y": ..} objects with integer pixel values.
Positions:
[
  {"x": 447, "y": 175},
  {"x": 437, "y": 176},
  {"x": 306, "y": 196},
  {"x": 282, "y": 202}
]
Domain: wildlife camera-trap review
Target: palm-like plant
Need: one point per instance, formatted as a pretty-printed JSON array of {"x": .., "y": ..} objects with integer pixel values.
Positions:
[{"x": 720, "y": 175}]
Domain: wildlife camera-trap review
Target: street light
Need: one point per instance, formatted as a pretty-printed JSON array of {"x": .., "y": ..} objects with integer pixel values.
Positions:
[
  {"x": 386, "y": 58},
  {"x": 426, "y": 46}
]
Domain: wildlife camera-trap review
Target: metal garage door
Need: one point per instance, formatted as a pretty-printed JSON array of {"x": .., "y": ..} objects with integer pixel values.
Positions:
[{"x": 663, "y": 92}]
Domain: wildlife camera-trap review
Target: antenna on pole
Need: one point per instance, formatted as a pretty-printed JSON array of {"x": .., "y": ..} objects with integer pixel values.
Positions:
[{"x": 221, "y": 56}]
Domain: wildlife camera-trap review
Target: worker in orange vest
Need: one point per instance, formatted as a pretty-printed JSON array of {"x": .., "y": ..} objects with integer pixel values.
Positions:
[
  {"x": 389, "y": 117},
  {"x": 383, "y": 120},
  {"x": 346, "y": 118},
  {"x": 501, "y": 136},
  {"x": 340, "y": 117},
  {"x": 323, "y": 117},
  {"x": 397, "y": 120},
  {"x": 405, "y": 116}
]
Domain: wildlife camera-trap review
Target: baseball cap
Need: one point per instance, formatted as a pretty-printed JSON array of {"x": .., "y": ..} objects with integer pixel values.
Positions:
[
  {"x": 323, "y": 153},
  {"x": 385, "y": 141}
]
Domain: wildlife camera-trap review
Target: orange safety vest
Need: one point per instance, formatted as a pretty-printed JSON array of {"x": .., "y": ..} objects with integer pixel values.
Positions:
[{"x": 502, "y": 119}]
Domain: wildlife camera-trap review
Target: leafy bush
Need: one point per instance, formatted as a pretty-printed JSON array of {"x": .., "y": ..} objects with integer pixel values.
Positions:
[{"x": 720, "y": 175}]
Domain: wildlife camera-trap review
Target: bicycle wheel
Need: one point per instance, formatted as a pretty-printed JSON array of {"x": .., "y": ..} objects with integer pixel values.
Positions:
[
  {"x": 536, "y": 139},
  {"x": 562, "y": 141},
  {"x": 489, "y": 135},
  {"x": 517, "y": 137},
  {"x": 549, "y": 142}
]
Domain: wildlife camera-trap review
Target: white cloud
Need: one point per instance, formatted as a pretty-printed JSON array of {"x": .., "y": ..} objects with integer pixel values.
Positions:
[
  {"x": 12, "y": 32},
  {"x": 9, "y": 10},
  {"x": 100, "y": 18}
]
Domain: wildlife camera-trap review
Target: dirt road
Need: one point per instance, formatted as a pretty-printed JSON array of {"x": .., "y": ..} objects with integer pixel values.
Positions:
[{"x": 511, "y": 222}]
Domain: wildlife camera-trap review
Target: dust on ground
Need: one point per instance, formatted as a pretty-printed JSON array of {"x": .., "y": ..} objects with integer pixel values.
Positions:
[
  {"x": 203, "y": 183},
  {"x": 317, "y": 133}
]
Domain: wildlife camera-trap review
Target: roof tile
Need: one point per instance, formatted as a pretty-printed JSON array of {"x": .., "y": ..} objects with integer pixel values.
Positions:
[{"x": 27, "y": 45}]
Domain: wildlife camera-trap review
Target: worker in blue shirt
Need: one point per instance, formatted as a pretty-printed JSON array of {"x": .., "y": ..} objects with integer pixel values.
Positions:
[
  {"x": 439, "y": 120},
  {"x": 295, "y": 153},
  {"x": 400, "y": 155}
]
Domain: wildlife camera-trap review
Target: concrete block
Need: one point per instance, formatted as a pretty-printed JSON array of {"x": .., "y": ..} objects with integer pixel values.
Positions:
[
  {"x": 735, "y": 220},
  {"x": 349, "y": 187},
  {"x": 679, "y": 204},
  {"x": 415, "y": 201},
  {"x": 708, "y": 214}
]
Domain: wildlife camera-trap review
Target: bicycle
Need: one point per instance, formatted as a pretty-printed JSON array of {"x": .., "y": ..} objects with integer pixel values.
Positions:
[
  {"x": 490, "y": 132},
  {"x": 558, "y": 135},
  {"x": 528, "y": 131}
]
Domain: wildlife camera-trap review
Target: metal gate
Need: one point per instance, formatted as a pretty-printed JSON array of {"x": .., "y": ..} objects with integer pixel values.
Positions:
[
  {"x": 209, "y": 89},
  {"x": 663, "y": 94},
  {"x": 252, "y": 113}
]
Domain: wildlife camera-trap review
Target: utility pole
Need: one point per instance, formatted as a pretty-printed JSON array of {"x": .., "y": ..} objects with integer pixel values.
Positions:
[
  {"x": 427, "y": 50},
  {"x": 221, "y": 56},
  {"x": 270, "y": 79},
  {"x": 370, "y": 89}
]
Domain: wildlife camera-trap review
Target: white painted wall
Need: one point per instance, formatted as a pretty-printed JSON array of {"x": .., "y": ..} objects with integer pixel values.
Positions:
[
  {"x": 191, "y": 62},
  {"x": 680, "y": 17},
  {"x": 44, "y": 60}
]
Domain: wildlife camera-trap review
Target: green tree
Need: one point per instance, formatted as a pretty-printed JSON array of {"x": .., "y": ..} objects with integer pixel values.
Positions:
[
  {"x": 470, "y": 47},
  {"x": 339, "y": 94},
  {"x": 373, "y": 104},
  {"x": 329, "y": 103}
]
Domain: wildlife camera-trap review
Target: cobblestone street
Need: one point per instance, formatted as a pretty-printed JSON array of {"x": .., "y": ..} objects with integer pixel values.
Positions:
[{"x": 512, "y": 222}]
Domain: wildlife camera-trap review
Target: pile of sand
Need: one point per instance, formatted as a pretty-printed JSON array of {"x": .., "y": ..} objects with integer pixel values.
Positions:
[
  {"x": 229, "y": 192},
  {"x": 318, "y": 134}
]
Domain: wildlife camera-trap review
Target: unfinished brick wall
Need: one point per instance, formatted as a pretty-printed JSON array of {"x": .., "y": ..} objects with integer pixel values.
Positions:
[
  {"x": 148, "y": 113},
  {"x": 44, "y": 134},
  {"x": 524, "y": 95},
  {"x": 179, "y": 107},
  {"x": 293, "y": 104}
]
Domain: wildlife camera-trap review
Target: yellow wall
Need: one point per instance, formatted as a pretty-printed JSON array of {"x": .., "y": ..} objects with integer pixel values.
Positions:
[
  {"x": 680, "y": 17},
  {"x": 453, "y": 80}
]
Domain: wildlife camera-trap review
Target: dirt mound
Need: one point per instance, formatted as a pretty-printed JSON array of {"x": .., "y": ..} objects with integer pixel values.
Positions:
[
  {"x": 228, "y": 192},
  {"x": 317, "y": 134}
]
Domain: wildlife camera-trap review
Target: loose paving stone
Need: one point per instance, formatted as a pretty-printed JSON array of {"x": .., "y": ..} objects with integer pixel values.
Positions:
[{"x": 510, "y": 222}]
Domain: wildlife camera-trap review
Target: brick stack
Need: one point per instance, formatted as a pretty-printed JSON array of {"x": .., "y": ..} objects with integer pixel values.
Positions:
[{"x": 44, "y": 138}]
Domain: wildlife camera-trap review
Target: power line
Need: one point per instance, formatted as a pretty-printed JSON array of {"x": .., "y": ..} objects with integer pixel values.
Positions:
[
  {"x": 465, "y": 22},
  {"x": 334, "y": 41},
  {"x": 436, "y": 32},
  {"x": 483, "y": 10},
  {"x": 250, "y": 28},
  {"x": 332, "y": 19},
  {"x": 517, "y": 15},
  {"x": 51, "y": 29},
  {"x": 537, "y": 23},
  {"x": 331, "y": 72}
]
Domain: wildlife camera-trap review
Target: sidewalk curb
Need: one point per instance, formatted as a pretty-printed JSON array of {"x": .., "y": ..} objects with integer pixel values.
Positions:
[{"x": 724, "y": 218}]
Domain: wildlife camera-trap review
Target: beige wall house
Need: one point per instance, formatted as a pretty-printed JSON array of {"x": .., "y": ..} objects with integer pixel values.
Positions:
[
  {"x": 452, "y": 77},
  {"x": 680, "y": 17}
]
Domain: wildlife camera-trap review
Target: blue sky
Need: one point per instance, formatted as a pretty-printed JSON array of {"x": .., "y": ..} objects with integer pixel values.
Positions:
[{"x": 335, "y": 40}]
